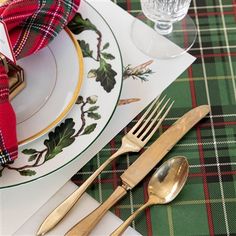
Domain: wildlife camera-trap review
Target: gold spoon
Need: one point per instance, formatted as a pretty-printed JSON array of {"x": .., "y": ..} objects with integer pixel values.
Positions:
[{"x": 163, "y": 187}]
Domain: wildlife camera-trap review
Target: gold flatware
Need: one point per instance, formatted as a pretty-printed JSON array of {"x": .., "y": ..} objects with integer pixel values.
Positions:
[
  {"x": 163, "y": 187},
  {"x": 133, "y": 141},
  {"x": 141, "y": 167}
]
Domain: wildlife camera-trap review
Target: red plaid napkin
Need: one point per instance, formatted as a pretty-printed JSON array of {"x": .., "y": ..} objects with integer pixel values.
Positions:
[{"x": 31, "y": 24}]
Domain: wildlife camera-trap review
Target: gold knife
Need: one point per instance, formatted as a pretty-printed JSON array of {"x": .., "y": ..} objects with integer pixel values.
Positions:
[{"x": 141, "y": 167}]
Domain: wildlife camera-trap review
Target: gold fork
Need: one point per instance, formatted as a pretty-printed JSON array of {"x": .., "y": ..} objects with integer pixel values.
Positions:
[{"x": 133, "y": 141}]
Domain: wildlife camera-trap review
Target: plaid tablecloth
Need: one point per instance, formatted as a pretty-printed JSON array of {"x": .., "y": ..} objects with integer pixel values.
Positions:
[{"x": 207, "y": 204}]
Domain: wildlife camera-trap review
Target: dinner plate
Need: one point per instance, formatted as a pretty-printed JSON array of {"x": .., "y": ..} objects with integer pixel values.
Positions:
[
  {"x": 94, "y": 107},
  {"x": 54, "y": 78}
]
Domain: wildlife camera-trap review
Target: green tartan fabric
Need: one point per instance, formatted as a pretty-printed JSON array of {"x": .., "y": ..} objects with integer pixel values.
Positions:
[{"x": 207, "y": 204}]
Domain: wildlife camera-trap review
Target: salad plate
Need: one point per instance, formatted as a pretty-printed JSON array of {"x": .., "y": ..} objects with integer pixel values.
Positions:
[{"x": 54, "y": 78}]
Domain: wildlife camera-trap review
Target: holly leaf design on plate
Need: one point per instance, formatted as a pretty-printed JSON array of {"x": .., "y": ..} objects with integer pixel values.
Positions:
[
  {"x": 93, "y": 108},
  {"x": 87, "y": 52},
  {"x": 106, "y": 75},
  {"x": 107, "y": 56},
  {"x": 30, "y": 151},
  {"x": 33, "y": 157},
  {"x": 78, "y": 24},
  {"x": 107, "y": 45},
  {"x": 89, "y": 129},
  {"x": 63, "y": 136},
  {"x": 94, "y": 115},
  {"x": 27, "y": 172},
  {"x": 60, "y": 139}
]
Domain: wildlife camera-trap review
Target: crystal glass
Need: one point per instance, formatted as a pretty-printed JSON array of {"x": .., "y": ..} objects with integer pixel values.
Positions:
[{"x": 169, "y": 19}]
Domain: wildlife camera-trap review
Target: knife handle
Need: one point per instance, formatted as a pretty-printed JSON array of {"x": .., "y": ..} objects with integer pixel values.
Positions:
[{"x": 85, "y": 226}]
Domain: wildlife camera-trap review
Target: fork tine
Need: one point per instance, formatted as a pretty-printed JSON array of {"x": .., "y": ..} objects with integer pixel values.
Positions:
[
  {"x": 150, "y": 116},
  {"x": 144, "y": 115},
  {"x": 154, "y": 121},
  {"x": 139, "y": 127}
]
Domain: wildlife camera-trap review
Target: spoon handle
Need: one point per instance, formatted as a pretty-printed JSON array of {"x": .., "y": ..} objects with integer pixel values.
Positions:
[{"x": 126, "y": 223}]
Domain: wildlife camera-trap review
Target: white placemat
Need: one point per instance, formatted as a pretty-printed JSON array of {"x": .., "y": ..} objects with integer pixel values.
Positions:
[
  {"x": 85, "y": 206},
  {"x": 18, "y": 204}
]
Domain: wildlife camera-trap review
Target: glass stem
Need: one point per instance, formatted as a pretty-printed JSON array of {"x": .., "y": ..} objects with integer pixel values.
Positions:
[{"x": 163, "y": 28}]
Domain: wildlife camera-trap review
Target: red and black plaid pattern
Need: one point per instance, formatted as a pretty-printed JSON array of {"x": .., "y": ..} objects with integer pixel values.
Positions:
[{"x": 31, "y": 24}]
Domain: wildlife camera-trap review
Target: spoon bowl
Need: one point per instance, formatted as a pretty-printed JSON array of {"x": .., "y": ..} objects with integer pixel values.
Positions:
[
  {"x": 168, "y": 180},
  {"x": 163, "y": 187}
]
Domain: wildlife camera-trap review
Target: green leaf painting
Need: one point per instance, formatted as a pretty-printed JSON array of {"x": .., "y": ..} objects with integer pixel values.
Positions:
[
  {"x": 63, "y": 136},
  {"x": 89, "y": 129},
  {"x": 29, "y": 151},
  {"x": 106, "y": 45},
  {"x": 107, "y": 56},
  {"x": 94, "y": 115},
  {"x": 33, "y": 157},
  {"x": 85, "y": 49},
  {"x": 93, "y": 108},
  {"x": 27, "y": 172},
  {"x": 78, "y": 24},
  {"x": 104, "y": 74}
]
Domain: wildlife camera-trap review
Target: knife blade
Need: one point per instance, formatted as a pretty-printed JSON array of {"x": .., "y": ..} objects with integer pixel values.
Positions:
[{"x": 141, "y": 167}]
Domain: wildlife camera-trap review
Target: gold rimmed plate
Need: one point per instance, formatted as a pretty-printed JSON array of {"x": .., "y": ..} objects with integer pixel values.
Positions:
[
  {"x": 54, "y": 78},
  {"x": 57, "y": 72}
]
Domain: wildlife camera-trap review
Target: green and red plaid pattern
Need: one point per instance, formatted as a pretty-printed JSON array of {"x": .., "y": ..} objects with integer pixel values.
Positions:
[
  {"x": 31, "y": 24},
  {"x": 207, "y": 204}
]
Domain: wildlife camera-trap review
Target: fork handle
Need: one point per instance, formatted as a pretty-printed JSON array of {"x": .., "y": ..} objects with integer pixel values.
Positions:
[
  {"x": 85, "y": 226},
  {"x": 59, "y": 212}
]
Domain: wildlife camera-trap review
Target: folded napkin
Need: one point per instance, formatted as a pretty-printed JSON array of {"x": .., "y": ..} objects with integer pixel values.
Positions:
[{"x": 31, "y": 24}]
